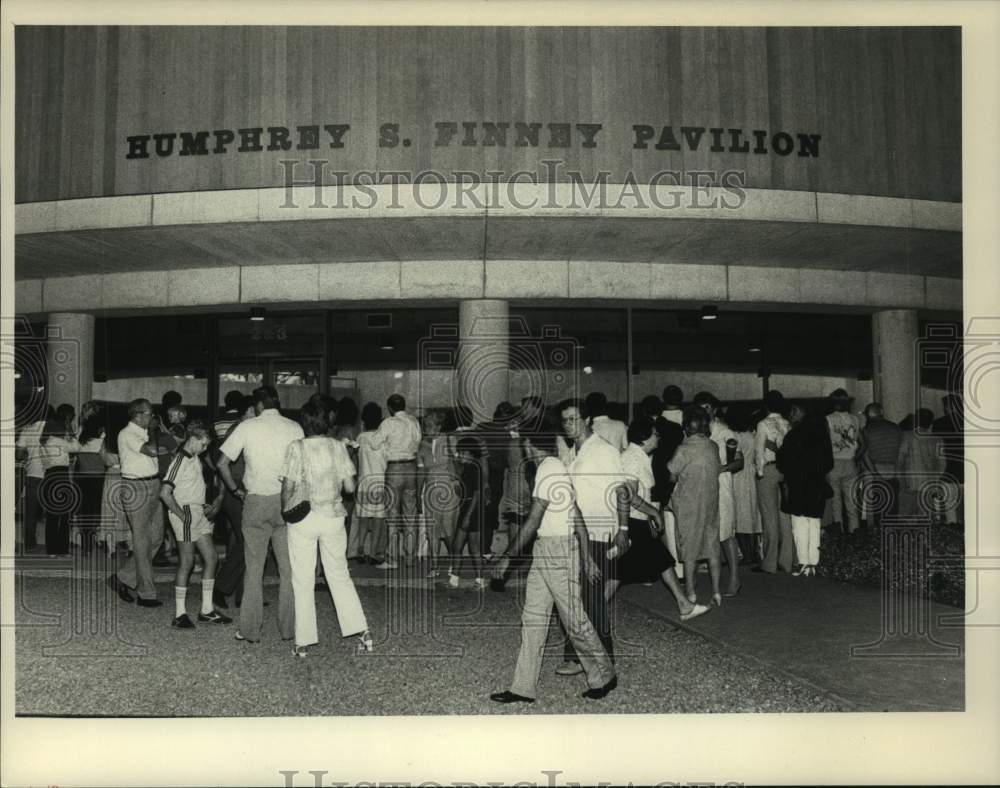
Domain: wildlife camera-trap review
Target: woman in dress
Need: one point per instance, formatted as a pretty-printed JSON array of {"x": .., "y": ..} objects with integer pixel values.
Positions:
[
  {"x": 58, "y": 494},
  {"x": 647, "y": 558},
  {"x": 804, "y": 459},
  {"x": 91, "y": 463},
  {"x": 321, "y": 465},
  {"x": 695, "y": 502},
  {"x": 369, "y": 508}
]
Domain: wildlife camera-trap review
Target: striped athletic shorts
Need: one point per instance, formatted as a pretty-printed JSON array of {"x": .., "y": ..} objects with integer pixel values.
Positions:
[{"x": 190, "y": 529}]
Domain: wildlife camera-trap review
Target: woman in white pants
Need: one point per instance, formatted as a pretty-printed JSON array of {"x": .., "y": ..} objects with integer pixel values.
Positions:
[
  {"x": 323, "y": 469},
  {"x": 804, "y": 459}
]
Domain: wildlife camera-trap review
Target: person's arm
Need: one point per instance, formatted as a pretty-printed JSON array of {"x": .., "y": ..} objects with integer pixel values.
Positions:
[
  {"x": 167, "y": 496},
  {"x": 381, "y": 436},
  {"x": 590, "y": 568},
  {"x": 524, "y": 536},
  {"x": 226, "y": 474},
  {"x": 641, "y": 505},
  {"x": 623, "y": 497},
  {"x": 759, "y": 440},
  {"x": 348, "y": 473}
]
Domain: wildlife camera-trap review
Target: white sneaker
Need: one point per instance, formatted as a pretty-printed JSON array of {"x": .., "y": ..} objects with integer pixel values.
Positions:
[
  {"x": 452, "y": 580},
  {"x": 385, "y": 565},
  {"x": 479, "y": 583}
]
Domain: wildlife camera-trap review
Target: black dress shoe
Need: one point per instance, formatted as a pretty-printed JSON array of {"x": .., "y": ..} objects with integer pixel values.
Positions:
[
  {"x": 120, "y": 588},
  {"x": 182, "y": 622},
  {"x": 596, "y": 693},
  {"x": 510, "y": 697},
  {"x": 148, "y": 602}
]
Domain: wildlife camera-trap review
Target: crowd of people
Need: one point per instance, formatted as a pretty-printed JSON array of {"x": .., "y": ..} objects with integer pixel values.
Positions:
[{"x": 583, "y": 500}]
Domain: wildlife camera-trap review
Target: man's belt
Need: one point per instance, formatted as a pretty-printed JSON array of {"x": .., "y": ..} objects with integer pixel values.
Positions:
[
  {"x": 141, "y": 478},
  {"x": 400, "y": 462}
]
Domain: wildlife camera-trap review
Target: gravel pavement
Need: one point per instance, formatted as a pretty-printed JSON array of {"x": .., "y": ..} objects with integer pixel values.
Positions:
[{"x": 136, "y": 664}]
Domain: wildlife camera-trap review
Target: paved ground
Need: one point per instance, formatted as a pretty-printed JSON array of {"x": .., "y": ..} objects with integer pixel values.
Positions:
[{"x": 783, "y": 645}]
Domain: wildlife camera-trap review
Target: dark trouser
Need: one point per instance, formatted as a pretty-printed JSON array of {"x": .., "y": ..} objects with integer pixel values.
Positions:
[
  {"x": 32, "y": 508},
  {"x": 229, "y": 578},
  {"x": 594, "y": 603},
  {"x": 59, "y": 496},
  {"x": 491, "y": 513},
  {"x": 89, "y": 516}
]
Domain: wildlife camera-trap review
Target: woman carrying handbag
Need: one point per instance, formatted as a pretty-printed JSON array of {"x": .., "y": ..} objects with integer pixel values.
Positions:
[{"x": 316, "y": 472}]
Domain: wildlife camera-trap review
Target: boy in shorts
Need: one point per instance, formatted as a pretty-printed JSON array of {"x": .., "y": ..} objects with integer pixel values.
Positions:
[{"x": 183, "y": 492}]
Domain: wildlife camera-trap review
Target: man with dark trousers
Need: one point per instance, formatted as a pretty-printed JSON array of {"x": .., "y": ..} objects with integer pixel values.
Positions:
[{"x": 229, "y": 580}]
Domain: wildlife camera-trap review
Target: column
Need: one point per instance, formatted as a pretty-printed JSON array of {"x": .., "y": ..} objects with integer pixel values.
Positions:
[
  {"x": 483, "y": 373},
  {"x": 70, "y": 357},
  {"x": 895, "y": 384}
]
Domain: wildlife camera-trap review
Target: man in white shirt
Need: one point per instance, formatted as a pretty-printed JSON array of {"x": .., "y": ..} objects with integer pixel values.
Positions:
[
  {"x": 263, "y": 442},
  {"x": 29, "y": 453},
  {"x": 613, "y": 431},
  {"x": 845, "y": 434},
  {"x": 138, "y": 454},
  {"x": 399, "y": 437},
  {"x": 554, "y": 578},
  {"x": 779, "y": 548},
  {"x": 602, "y": 498}
]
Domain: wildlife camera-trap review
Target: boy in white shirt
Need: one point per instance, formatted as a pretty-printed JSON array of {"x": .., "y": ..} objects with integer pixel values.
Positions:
[{"x": 183, "y": 492}]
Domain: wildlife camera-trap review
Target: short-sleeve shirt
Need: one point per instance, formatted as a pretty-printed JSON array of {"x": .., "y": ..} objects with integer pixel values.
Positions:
[
  {"x": 553, "y": 485},
  {"x": 596, "y": 473},
  {"x": 613, "y": 431},
  {"x": 324, "y": 464},
  {"x": 185, "y": 476},
  {"x": 29, "y": 441},
  {"x": 135, "y": 464},
  {"x": 773, "y": 427},
  {"x": 263, "y": 441},
  {"x": 639, "y": 467},
  {"x": 398, "y": 436},
  {"x": 55, "y": 452},
  {"x": 845, "y": 429}
]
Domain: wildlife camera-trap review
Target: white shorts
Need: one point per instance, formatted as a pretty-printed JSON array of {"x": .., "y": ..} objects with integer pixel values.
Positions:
[{"x": 198, "y": 526}]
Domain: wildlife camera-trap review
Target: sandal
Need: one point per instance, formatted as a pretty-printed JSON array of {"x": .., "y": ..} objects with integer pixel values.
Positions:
[{"x": 365, "y": 643}]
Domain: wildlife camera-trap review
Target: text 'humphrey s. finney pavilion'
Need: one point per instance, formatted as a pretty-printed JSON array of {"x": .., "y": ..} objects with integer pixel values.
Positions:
[{"x": 470, "y": 134}]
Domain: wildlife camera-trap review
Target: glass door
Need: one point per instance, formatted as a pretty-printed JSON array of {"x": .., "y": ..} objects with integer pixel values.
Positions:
[{"x": 296, "y": 379}]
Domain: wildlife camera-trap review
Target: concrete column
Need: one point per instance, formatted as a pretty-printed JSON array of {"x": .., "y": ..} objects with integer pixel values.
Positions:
[
  {"x": 70, "y": 356},
  {"x": 483, "y": 373},
  {"x": 894, "y": 379}
]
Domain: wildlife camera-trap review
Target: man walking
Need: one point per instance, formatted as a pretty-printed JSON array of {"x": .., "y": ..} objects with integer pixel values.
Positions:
[
  {"x": 139, "y": 452},
  {"x": 602, "y": 497},
  {"x": 558, "y": 555},
  {"x": 399, "y": 437},
  {"x": 262, "y": 441}
]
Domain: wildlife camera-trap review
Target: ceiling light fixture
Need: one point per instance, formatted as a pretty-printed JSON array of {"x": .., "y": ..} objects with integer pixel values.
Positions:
[
  {"x": 386, "y": 343},
  {"x": 257, "y": 313},
  {"x": 709, "y": 312}
]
